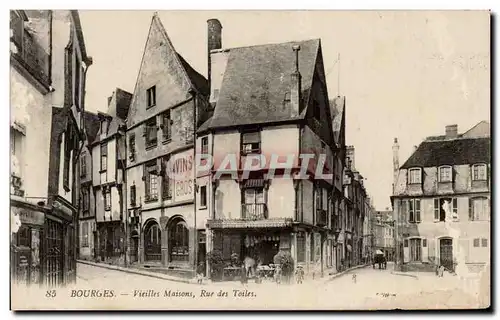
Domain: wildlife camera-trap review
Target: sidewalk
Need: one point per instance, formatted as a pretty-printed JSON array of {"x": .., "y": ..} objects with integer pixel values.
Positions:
[
  {"x": 137, "y": 271},
  {"x": 157, "y": 275}
]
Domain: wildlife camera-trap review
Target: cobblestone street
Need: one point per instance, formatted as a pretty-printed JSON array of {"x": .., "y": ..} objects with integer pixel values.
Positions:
[{"x": 373, "y": 289}]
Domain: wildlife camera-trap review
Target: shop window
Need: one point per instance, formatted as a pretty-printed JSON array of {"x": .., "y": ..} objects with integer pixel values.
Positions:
[{"x": 178, "y": 241}]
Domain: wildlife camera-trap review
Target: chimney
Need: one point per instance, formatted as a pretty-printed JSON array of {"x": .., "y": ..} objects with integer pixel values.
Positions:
[
  {"x": 350, "y": 155},
  {"x": 296, "y": 86},
  {"x": 415, "y": 149},
  {"x": 395, "y": 162},
  {"x": 214, "y": 41},
  {"x": 451, "y": 131}
]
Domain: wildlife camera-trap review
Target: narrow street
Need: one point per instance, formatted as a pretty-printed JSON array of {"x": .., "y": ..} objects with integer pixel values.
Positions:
[{"x": 373, "y": 289}]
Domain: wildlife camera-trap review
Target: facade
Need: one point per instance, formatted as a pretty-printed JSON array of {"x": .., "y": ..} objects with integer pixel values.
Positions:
[
  {"x": 383, "y": 227},
  {"x": 368, "y": 232},
  {"x": 442, "y": 201},
  {"x": 108, "y": 179},
  {"x": 87, "y": 207},
  {"x": 259, "y": 111},
  {"x": 169, "y": 101},
  {"x": 48, "y": 67}
]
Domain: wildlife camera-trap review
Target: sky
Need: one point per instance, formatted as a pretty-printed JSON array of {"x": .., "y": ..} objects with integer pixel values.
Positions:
[{"x": 405, "y": 74}]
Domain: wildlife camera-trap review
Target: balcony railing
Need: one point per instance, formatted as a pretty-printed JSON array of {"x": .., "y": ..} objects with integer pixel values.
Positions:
[
  {"x": 254, "y": 211},
  {"x": 321, "y": 218}
]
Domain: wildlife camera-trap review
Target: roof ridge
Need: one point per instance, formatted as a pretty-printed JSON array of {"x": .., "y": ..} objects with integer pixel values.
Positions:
[{"x": 270, "y": 44}]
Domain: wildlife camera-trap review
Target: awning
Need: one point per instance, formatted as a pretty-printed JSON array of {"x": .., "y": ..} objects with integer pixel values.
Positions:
[
  {"x": 253, "y": 183},
  {"x": 349, "y": 248},
  {"x": 249, "y": 224}
]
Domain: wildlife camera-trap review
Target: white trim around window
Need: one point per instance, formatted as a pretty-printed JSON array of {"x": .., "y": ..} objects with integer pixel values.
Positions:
[
  {"x": 445, "y": 174},
  {"x": 479, "y": 172},
  {"x": 415, "y": 175}
]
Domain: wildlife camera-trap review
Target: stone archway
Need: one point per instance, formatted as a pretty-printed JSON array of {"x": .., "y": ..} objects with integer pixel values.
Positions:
[
  {"x": 152, "y": 241},
  {"x": 178, "y": 240}
]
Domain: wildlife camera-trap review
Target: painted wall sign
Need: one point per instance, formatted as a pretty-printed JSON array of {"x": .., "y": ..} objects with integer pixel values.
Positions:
[
  {"x": 29, "y": 216},
  {"x": 180, "y": 168}
]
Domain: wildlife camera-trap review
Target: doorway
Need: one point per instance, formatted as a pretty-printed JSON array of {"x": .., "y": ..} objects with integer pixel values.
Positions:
[
  {"x": 152, "y": 241},
  {"x": 446, "y": 253},
  {"x": 134, "y": 245}
]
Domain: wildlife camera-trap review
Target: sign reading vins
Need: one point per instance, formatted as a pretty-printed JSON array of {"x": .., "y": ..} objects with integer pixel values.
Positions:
[{"x": 181, "y": 168}]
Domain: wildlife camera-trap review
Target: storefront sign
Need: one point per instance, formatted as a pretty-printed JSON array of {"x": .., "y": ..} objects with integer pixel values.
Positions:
[
  {"x": 181, "y": 170},
  {"x": 28, "y": 216}
]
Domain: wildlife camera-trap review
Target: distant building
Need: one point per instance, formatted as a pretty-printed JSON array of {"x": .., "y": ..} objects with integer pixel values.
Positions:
[
  {"x": 442, "y": 202},
  {"x": 383, "y": 231},
  {"x": 87, "y": 207},
  {"x": 108, "y": 179}
]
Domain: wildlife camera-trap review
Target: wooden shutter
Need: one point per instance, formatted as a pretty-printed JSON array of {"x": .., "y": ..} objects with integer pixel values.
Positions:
[
  {"x": 436, "y": 209},
  {"x": 417, "y": 210}
]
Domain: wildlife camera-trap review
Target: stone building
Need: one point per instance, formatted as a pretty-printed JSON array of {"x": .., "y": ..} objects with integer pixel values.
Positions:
[
  {"x": 441, "y": 201},
  {"x": 383, "y": 231},
  {"x": 108, "y": 179},
  {"x": 48, "y": 70},
  {"x": 268, "y": 101},
  {"x": 168, "y": 103}
]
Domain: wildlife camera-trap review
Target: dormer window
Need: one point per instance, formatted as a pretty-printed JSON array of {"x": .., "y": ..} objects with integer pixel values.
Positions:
[
  {"x": 445, "y": 174},
  {"x": 479, "y": 172},
  {"x": 415, "y": 176}
]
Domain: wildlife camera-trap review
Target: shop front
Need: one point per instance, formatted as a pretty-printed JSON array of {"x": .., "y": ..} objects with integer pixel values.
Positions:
[
  {"x": 26, "y": 245},
  {"x": 257, "y": 242},
  {"x": 110, "y": 239}
]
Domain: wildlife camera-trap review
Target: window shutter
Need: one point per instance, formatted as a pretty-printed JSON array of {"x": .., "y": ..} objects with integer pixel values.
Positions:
[
  {"x": 417, "y": 210},
  {"x": 436, "y": 209},
  {"x": 471, "y": 211}
]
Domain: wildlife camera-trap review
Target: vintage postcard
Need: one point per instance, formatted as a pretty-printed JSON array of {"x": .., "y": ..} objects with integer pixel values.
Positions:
[{"x": 250, "y": 160}]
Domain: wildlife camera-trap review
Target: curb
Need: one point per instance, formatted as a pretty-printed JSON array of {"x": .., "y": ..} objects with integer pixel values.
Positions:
[
  {"x": 135, "y": 271},
  {"x": 337, "y": 275},
  {"x": 404, "y": 274}
]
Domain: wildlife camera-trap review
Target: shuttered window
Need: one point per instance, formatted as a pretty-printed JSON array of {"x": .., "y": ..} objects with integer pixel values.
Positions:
[{"x": 251, "y": 142}]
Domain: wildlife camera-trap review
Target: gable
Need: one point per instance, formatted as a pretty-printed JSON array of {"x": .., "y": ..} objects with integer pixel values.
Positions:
[
  {"x": 318, "y": 98},
  {"x": 480, "y": 130},
  {"x": 160, "y": 67}
]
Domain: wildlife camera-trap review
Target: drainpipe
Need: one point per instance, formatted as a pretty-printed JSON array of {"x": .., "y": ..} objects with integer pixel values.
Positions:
[{"x": 195, "y": 185}]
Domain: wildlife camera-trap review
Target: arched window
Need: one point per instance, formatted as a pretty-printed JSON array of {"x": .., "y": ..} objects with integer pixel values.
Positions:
[
  {"x": 152, "y": 241},
  {"x": 178, "y": 241},
  {"x": 445, "y": 174}
]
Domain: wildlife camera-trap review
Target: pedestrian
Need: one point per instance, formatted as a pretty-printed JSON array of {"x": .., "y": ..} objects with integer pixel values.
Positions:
[
  {"x": 441, "y": 271},
  {"x": 243, "y": 275},
  {"x": 199, "y": 272},
  {"x": 354, "y": 277},
  {"x": 299, "y": 274},
  {"x": 277, "y": 274}
]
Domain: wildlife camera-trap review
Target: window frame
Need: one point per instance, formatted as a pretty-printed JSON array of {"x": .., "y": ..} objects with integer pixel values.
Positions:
[
  {"x": 131, "y": 147},
  {"x": 204, "y": 145},
  {"x": 440, "y": 178},
  {"x": 203, "y": 197},
  {"x": 151, "y": 97},
  {"x": 419, "y": 170},
  {"x": 150, "y": 126},
  {"x": 166, "y": 126},
  {"x": 414, "y": 214},
  {"x": 472, "y": 214},
  {"x": 107, "y": 199},
  {"x": 256, "y": 147},
  {"x": 104, "y": 157},
  {"x": 83, "y": 164},
  {"x": 150, "y": 172},
  {"x": 133, "y": 195},
  {"x": 479, "y": 165}
]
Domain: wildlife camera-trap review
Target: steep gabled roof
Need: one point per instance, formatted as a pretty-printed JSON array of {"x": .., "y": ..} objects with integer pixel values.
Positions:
[
  {"x": 450, "y": 152},
  {"x": 197, "y": 80},
  {"x": 92, "y": 125},
  {"x": 256, "y": 80},
  {"x": 337, "y": 107},
  {"x": 79, "y": 35}
]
